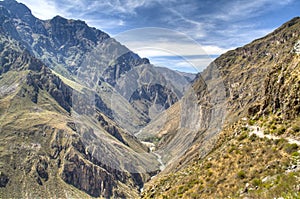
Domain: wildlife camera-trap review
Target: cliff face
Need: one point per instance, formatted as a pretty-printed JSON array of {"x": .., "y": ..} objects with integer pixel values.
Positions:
[{"x": 258, "y": 84}]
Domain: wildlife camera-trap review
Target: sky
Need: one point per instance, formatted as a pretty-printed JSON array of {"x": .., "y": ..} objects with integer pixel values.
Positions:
[{"x": 184, "y": 35}]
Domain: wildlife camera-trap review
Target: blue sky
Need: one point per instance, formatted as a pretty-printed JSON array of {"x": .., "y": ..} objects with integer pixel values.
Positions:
[{"x": 181, "y": 34}]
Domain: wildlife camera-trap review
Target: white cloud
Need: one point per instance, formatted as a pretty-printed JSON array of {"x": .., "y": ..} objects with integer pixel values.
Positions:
[
  {"x": 105, "y": 24},
  {"x": 109, "y": 7},
  {"x": 43, "y": 9},
  {"x": 158, "y": 41},
  {"x": 147, "y": 49},
  {"x": 170, "y": 48},
  {"x": 187, "y": 64}
]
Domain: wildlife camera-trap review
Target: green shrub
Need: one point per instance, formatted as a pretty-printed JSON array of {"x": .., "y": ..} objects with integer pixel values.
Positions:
[
  {"x": 279, "y": 141},
  {"x": 295, "y": 154},
  {"x": 251, "y": 122},
  {"x": 273, "y": 127},
  {"x": 193, "y": 182},
  {"x": 210, "y": 173},
  {"x": 208, "y": 165},
  {"x": 242, "y": 136},
  {"x": 281, "y": 130},
  {"x": 290, "y": 148},
  {"x": 244, "y": 128},
  {"x": 231, "y": 149},
  {"x": 241, "y": 174},
  {"x": 182, "y": 189},
  {"x": 256, "y": 182}
]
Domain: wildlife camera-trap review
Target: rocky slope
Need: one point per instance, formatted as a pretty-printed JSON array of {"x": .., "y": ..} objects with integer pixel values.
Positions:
[{"x": 255, "y": 84}]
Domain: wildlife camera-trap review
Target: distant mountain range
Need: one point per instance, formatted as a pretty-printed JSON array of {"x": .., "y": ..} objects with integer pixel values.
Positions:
[{"x": 83, "y": 116}]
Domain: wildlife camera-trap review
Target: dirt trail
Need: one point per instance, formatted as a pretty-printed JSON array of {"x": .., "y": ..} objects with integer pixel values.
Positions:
[{"x": 259, "y": 133}]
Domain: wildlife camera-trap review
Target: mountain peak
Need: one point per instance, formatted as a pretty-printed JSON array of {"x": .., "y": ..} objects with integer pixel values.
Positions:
[
  {"x": 59, "y": 18},
  {"x": 15, "y": 8}
]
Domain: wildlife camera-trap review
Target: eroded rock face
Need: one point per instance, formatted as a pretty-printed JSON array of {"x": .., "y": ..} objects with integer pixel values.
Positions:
[
  {"x": 152, "y": 99},
  {"x": 88, "y": 177}
]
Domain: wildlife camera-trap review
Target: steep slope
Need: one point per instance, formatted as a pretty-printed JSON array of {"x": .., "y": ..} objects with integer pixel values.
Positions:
[
  {"x": 260, "y": 85},
  {"x": 90, "y": 57},
  {"x": 52, "y": 145}
]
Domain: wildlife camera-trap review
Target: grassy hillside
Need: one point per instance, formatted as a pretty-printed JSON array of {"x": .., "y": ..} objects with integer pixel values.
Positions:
[{"x": 240, "y": 165}]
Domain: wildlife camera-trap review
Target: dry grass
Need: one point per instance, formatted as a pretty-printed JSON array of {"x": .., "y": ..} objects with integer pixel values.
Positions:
[{"x": 238, "y": 160}]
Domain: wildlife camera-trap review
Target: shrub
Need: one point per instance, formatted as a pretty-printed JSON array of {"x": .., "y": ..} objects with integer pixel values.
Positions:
[
  {"x": 279, "y": 141},
  {"x": 182, "y": 189},
  {"x": 295, "y": 154},
  {"x": 231, "y": 149},
  {"x": 210, "y": 173},
  {"x": 244, "y": 128},
  {"x": 208, "y": 165},
  {"x": 280, "y": 130},
  {"x": 273, "y": 127},
  {"x": 290, "y": 148},
  {"x": 252, "y": 138},
  {"x": 296, "y": 128},
  {"x": 242, "y": 136},
  {"x": 251, "y": 122},
  {"x": 241, "y": 174},
  {"x": 256, "y": 182}
]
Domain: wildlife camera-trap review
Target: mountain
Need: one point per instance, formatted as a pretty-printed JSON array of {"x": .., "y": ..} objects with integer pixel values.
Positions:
[
  {"x": 82, "y": 116},
  {"x": 69, "y": 108},
  {"x": 47, "y": 141},
  {"x": 241, "y": 139},
  {"x": 94, "y": 59}
]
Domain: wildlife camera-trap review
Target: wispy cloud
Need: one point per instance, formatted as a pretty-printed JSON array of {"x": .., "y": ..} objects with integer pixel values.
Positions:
[{"x": 238, "y": 10}]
